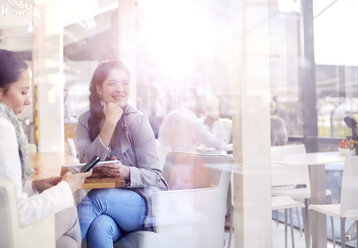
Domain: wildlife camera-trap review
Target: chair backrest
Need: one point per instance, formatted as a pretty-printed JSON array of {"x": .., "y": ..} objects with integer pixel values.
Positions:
[
  {"x": 349, "y": 190},
  {"x": 189, "y": 215},
  {"x": 7, "y": 213},
  {"x": 193, "y": 170},
  {"x": 70, "y": 139},
  {"x": 195, "y": 213},
  {"x": 72, "y": 147},
  {"x": 227, "y": 130},
  {"x": 162, "y": 152},
  {"x": 284, "y": 175}
]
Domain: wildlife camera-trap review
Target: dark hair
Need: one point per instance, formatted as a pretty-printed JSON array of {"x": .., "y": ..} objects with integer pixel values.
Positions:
[
  {"x": 11, "y": 66},
  {"x": 96, "y": 109}
]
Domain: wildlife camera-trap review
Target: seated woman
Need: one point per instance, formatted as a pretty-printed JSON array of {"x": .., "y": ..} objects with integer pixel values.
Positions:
[
  {"x": 41, "y": 198},
  {"x": 114, "y": 129},
  {"x": 182, "y": 131}
]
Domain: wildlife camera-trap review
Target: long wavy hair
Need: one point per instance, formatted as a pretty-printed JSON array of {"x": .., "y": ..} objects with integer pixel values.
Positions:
[{"x": 96, "y": 109}]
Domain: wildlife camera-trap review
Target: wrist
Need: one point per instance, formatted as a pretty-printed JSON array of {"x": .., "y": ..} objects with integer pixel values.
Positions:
[
  {"x": 125, "y": 172},
  {"x": 110, "y": 123},
  {"x": 107, "y": 132},
  {"x": 34, "y": 188}
]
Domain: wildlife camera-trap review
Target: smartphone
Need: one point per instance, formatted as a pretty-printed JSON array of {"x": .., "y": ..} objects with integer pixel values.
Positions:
[{"x": 90, "y": 164}]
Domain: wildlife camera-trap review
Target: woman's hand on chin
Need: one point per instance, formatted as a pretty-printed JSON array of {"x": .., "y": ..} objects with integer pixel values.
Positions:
[{"x": 112, "y": 112}]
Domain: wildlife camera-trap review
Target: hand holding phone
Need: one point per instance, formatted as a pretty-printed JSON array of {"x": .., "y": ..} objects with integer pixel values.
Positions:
[
  {"x": 90, "y": 164},
  {"x": 75, "y": 180}
]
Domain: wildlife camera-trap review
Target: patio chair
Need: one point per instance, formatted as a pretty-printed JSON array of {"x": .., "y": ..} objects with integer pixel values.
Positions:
[
  {"x": 287, "y": 203},
  {"x": 294, "y": 181},
  {"x": 347, "y": 209},
  {"x": 192, "y": 213}
]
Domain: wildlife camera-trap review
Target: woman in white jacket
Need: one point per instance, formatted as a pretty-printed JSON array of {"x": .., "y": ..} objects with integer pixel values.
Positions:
[{"x": 40, "y": 198}]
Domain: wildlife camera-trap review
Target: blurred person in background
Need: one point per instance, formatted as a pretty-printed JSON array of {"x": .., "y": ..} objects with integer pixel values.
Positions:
[
  {"x": 111, "y": 128},
  {"x": 36, "y": 199},
  {"x": 221, "y": 128},
  {"x": 182, "y": 131},
  {"x": 278, "y": 127}
]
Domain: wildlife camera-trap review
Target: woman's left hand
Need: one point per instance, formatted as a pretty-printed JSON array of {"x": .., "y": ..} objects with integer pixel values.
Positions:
[{"x": 116, "y": 169}]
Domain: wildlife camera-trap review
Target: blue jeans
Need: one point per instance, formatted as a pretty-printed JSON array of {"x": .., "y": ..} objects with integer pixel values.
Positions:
[{"x": 106, "y": 214}]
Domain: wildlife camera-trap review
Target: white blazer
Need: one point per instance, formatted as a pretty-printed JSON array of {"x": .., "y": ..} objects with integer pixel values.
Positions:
[{"x": 32, "y": 206}]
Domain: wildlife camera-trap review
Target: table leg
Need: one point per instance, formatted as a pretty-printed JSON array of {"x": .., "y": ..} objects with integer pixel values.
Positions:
[{"x": 318, "y": 196}]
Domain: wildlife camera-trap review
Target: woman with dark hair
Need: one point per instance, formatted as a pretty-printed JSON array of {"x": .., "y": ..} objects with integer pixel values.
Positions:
[
  {"x": 114, "y": 129},
  {"x": 39, "y": 198}
]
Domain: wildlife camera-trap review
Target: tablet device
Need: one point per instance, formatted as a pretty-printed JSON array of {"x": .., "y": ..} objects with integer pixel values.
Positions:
[{"x": 90, "y": 164}]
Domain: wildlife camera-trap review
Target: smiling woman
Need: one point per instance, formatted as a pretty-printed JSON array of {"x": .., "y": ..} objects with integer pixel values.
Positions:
[
  {"x": 109, "y": 93},
  {"x": 114, "y": 129}
]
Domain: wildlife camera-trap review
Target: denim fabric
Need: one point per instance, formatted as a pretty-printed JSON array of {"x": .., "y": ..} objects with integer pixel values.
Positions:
[{"x": 106, "y": 214}]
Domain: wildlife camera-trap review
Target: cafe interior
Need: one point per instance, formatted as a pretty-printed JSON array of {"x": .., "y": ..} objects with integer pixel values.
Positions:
[{"x": 280, "y": 75}]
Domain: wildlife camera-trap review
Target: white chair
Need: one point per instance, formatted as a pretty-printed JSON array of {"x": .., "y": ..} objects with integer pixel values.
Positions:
[
  {"x": 227, "y": 129},
  {"x": 287, "y": 203},
  {"x": 192, "y": 214},
  {"x": 294, "y": 181},
  {"x": 72, "y": 147},
  {"x": 12, "y": 234},
  {"x": 347, "y": 209}
]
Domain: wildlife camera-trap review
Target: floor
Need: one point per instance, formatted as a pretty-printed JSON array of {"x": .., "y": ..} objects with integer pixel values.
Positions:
[{"x": 278, "y": 238}]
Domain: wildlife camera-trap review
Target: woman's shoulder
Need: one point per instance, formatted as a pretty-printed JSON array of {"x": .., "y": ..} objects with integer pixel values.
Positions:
[
  {"x": 6, "y": 124},
  {"x": 133, "y": 116},
  {"x": 83, "y": 118},
  {"x": 7, "y": 129}
]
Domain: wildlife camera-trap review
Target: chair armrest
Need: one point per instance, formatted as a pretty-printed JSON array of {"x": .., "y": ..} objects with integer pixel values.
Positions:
[{"x": 40, "y": 234}]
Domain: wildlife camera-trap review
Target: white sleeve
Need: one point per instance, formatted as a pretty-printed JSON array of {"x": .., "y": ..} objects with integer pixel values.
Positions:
[
  {"x": 28, "y": 189},
  {"x": 37, "y": 206},
  {"x": 204, "y": 136},
  {"x": 31, "y": 207}
]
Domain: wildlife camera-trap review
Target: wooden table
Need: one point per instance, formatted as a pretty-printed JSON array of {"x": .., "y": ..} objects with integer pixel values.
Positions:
[
  {"x": 103, "y": 182},
  {"x": 316, "y": 162},
  {"x": 50, "y": 164}
]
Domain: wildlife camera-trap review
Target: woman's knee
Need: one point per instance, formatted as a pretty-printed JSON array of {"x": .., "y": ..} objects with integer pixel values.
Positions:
[
  {"x": 94, "y": 201},
  {"x": 104, "y": 227}
]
